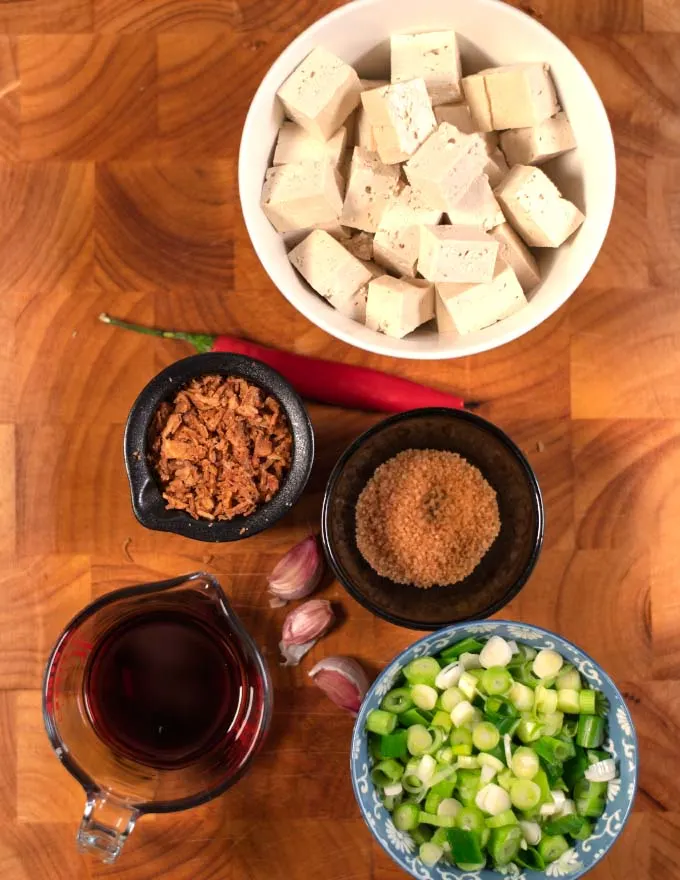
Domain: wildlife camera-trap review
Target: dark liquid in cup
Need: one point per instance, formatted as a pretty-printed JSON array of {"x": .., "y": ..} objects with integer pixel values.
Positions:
[{"x": 165, "y": 688}]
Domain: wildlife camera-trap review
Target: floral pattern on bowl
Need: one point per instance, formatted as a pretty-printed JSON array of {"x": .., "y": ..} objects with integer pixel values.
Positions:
[{"x": 622, "y": 744}]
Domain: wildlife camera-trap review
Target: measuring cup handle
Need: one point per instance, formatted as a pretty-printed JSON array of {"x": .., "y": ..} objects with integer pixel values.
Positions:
[{"x": 107, "y": 823}]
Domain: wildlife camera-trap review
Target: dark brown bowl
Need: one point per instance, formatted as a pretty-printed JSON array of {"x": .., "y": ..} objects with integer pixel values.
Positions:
[
  {"x": 502, "y": 572},
  {"x": 147, "y": 500}
]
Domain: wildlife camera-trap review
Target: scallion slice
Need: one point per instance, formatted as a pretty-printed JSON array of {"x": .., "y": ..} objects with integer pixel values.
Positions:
[{"x": 381, "y": 722}]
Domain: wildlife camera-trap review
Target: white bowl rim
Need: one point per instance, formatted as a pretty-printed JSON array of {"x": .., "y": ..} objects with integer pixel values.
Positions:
[{"x": 276, "y": 74}]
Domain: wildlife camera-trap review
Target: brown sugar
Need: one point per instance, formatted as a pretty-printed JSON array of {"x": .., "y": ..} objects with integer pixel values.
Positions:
[
  {"x": 426, "y": 517},
  {"x": 220, "y": 448}
]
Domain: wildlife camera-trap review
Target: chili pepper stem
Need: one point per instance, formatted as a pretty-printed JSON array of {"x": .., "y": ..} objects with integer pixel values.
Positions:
[{"x": 202, "y": 342}]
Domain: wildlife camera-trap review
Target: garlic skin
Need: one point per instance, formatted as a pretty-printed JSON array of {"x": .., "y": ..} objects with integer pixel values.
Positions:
[
  {"x": 297, "y": 574},
  {"x": 342, "y": 680},
  {"x": 303, "y": 627}
]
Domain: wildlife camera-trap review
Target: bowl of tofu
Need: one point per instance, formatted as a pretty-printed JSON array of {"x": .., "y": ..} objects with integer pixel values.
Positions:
[{"x": 427, "y": 180}]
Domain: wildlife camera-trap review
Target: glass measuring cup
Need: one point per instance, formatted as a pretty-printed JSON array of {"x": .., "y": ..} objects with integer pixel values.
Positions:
[{"x": 155, "y": 699}]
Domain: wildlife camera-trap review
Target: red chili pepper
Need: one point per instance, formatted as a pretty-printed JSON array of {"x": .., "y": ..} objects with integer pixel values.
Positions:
[{"x": 316, "y": 379}]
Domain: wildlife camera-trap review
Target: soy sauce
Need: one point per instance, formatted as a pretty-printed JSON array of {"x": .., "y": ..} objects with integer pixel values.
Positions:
[{"x": 164, "y": 689}]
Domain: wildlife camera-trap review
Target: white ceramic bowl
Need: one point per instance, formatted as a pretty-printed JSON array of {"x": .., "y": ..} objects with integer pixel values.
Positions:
[{"x": 490, "y": 33}]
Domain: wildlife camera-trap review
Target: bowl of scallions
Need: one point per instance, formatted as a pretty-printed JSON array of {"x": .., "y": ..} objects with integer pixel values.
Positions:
[{"x": 494, "y": 748}]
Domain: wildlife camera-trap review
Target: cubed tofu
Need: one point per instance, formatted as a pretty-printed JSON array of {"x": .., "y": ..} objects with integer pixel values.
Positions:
[
  {"x": 517, "y": 255},
  {"x": 361, "y": 246},
  {"x": 432, "y": 57},
  {"x": 362, "y": 131},
  {"x": 464, "y": 308},
  {"x": 295, "y": 146},
  {"x": 446, "y": 165},
  {"x": 457, "y": 254},
  {"x": 320, "y": 93},
  {"x": 401, "y": 118},
  {"x": 329, "y": 268},
  {"x": 516, "y": 96},
  {"x": 302, "y": 196},
  {"x": 397, "y": 307},
  {"x": 478, "y": 207},
  {"x": 371, "y": 188},
  {"x": 397, "y": 241},
  {"x": 495, "y": 167},
  {"x": 355, "y": 306},
  {"x": 533, "y": 146},
  {"x": 455, "y": 114},
  {"x": 477, "y": 100},
  {"x": 535, "y": 208}
]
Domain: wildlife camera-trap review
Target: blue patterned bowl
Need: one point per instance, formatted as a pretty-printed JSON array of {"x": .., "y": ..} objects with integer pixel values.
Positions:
[{"x": 622, "y": 745}]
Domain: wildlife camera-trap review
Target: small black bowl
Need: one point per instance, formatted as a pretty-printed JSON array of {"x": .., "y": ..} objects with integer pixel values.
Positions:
[
  {"x": 147, "y": 501},
  {"x": 502, "y": 572}
]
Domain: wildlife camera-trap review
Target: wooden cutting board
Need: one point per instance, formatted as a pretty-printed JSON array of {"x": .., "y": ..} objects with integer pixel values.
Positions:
[{"x": 119, "y": 130}]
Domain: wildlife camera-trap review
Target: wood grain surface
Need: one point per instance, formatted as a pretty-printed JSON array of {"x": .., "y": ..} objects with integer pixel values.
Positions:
[{"x": 119, "y": 129}]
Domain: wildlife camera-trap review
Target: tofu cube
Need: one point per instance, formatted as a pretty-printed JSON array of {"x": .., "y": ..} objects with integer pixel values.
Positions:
[
  {"x": 401, "y": 118},
  {"x": 302, "y": 196},
  {"x": 533, "y": 146},
  {"x": 329, "y": 268},
  {"x": 516, "y": 95},
  {"x": 363, "y": 133},
  {"x": 495, "y": 167},
  {"x": 464, "y": 308},
  {"x": 478, "y": 207},
  {"x": 477, "y": 100},
  {"x": 434, "y": 58},
  {"x": 455, "y": 114},
  {"x": 535, "y": 208},
  {"x": 371, "y": 188},
  {"x": 397, "y": 307},
  {"x": 397, "y": 242},
  {"x": 355, "y": 306},
  {"x": 446, "y": 165},
  {"x": 361, "y": 246},
  {"x": 517, "y": 255},
  {"x": 321, "y": 93},
  {"x": 295, "y": 146},
  {"x": 457, "y": 254}
]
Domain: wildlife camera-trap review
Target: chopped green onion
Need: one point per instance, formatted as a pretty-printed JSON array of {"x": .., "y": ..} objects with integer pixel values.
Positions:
[
  {"x": 521, "y": 697},
  {"x": 485, "y": 736},
  {"x": 463, "y": 713},
  {"x": 525, "y": 794},
  {"x": 504, "y": 844},
  {"x": 525, "y": 764},
  {"x": 547, "y": 664},
  {"x": 424, "y": 670},
  {"x": 590, "y": 798},
  {"x": 448, "y": 676},
  {"x": 449, "y": 807},
  {"x": 412, "y": 784},
  {"x": 505, "y": 779},
  {"x": 437, "y": 821},
  {"x": 554, "y": 750},
  {"x": 426, "y": 769},
  {"x": 397, "y": 701},
  {"x": 430, "y": 853},
  {"x": 439, "y": 736},
  {"x": 587, "y": 701},
  {"x": 421, "y": 834},
  {"x": 568, "y": 680},
  {"x": 467, "y": 685},
  {"x": 445, "y": 755},
  {"x": 393, "y": 745},
  {"x": 569, "y": 727},
  {"x": 393, "y": 789},
  {"x": 465, "y": 848},
  {"x": 450, "y": 698},
  {"x": 525, "y": 676},
  {"x": 541, "y": 781},
  {"x": 568, "y": 701},
  {"x": 575, "y": 769},
  {"x": 551, "y": 723},
  {"x": 468, "y": 762},
  {"x": 442, "y": 719},
  {"x": 585, "y": 831},
  {"x": 445, "y": 788},
  {"x": 551, "y": 848},
  {"x": 531, "y": 859},
  {"x": 467, "y": 786},
  {"x": 571, "y": 824},
  {"x": 470, "y": 819},
  {"x": 461, "y": 736},
  {"x": 405, "y": 817},
  {"x": 546, "y": 700},
  {"x": 590, "y": 731},
  {"x": 467, "y": 646},
  {"x": 424, "y": 696},
  {"x": 507, "y": 817},
  {"x": 531, "y": 831},
  {"x": 418, "y": 739},
  {"x": 391, "y": 802},
  {"x": 496, "y": 680},
  {"x": 487, "y": 760},
  {"x": 379, "y": 721},
  {"x": 529, "y": 729},
  {"x": 386, "y": 772},
  {"x": 411, "y": 717},
  {"x": 493, "y": 799},
  {"x": 432, "y": 801},
  {"x": 462, "y": 749}
]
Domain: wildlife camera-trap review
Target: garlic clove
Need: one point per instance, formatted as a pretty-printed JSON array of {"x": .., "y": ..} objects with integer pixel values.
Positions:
[
  {"x": 343, "y": 681},
  {"x": 298, "y": 573},
  {"x": 303, "y": 627}
]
